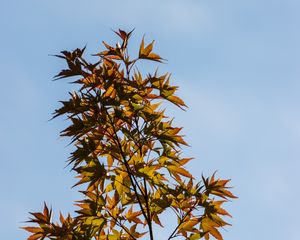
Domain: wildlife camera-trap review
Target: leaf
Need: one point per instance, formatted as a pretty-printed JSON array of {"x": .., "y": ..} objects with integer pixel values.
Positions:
[
  {"x": 223, "y": 212},
  {"x": 156, "y": 220},
  {"x": 209, "y": 226},
  {"x": 137, "y": 107},
  {"x": 195, "y": 236},
  {"x": 61, "y": 218},
  {"x": 110, "y": 92},
  {"x": 180, "y": 171},
  {"x": 46, "y": 210},
  {"x": 33, "y": 229},
  {"x": 216, "y": 234},
  {"x": 110, "y": 161},
  {"x": 132, "y": 216},
  {"x": 40, "y": 217},
  {"x": 177, "y": 101},
  {"x": 36, "y": 236},
  {"x": 146, "y": 53},
  {"x": 188, "y": 225},
  {"x": 155, "y": 57},
  {"x": 141, "y": 48},
  {"x": 148, "y": 49},
  {"x": 184, "y": 161},
  {"x": 107, "y": 46},
  {"x": 122, "y": 34}
]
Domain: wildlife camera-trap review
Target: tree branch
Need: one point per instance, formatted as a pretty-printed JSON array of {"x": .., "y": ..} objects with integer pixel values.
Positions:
[
  {"x": 132, "y": 179},
  {"x": 182, "y": 221}
]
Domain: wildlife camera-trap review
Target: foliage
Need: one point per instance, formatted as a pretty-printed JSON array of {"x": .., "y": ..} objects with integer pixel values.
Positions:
[{"x": 127, "y": 155}]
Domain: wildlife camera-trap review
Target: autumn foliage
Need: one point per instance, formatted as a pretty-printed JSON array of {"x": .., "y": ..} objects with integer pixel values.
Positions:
[{"x": 128, "y": 155}]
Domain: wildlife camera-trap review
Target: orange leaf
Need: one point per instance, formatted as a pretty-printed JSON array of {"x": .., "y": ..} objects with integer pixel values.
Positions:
[
  {"x": 180, "y": 171},
  {"x": 33, "y": 229},
  {"x": 176, "y": 100}
]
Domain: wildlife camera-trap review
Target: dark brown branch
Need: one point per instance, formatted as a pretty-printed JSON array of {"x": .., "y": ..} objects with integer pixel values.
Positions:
[
  {"x": 120, "y": 224},
  {"x": 145, "y": 188},
  {"x": 182, "y": 221},
  {"x": 132, "y": 179}
]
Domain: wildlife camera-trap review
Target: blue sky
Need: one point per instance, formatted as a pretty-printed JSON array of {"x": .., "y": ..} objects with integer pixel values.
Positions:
[{"x": 237, "y": 65}]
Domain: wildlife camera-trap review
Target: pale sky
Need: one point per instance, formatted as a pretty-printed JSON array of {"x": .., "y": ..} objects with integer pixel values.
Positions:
[{"x": 237, "y": 64}]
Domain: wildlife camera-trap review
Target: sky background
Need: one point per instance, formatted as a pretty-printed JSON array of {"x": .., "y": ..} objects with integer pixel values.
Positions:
[{"x": 237, "y": 65}]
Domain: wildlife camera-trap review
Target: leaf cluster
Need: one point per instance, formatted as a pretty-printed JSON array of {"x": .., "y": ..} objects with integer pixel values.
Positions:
[{"x": 128, "y": 154}]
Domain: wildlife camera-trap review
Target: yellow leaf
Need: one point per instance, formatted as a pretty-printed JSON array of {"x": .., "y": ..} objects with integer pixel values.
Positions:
[
  {"x": 119, "y": 184},
  {"x": 188, "y": 225},
  {"x": 195, "y": 236}
]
